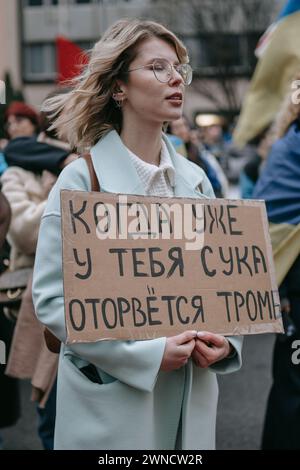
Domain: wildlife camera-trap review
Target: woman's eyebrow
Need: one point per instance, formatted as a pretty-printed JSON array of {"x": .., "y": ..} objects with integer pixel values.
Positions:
[{"x": 150, "y": 61}]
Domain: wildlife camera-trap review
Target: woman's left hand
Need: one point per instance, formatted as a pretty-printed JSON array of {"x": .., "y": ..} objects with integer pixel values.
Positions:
[{"x": 210, "y": 348}]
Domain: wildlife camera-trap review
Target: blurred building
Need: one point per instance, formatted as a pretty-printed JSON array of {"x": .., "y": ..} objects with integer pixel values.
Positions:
[
  {"x": 10, "y": 41},
  {"x": 222, "y": 55}
]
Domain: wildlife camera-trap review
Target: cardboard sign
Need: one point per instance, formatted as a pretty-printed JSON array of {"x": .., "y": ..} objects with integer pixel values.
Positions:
[{"x": 138, "y": 267}]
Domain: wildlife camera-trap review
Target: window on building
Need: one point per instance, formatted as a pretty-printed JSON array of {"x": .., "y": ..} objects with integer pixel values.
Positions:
[
  {"x": 39, "y": 62},
  {"x": 86, "y": 45},
  {"x": 217, "y": 50},
  {"x": 33, "y": 3},
  {"x": 252, "y": 41},
  {"x": 39, "y": 3},
  {"x": 211, "y": 54}
]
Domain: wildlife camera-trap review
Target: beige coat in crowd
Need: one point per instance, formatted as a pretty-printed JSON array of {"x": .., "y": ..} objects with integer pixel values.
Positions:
[{"x": 29, "y": 356}]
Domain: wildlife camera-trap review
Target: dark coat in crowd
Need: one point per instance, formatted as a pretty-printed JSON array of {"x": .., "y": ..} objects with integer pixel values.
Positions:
[
  {"x": 31, "y": 155},
  {"x": 9, "y": 403},
  {"x": 279, "y": 185}
]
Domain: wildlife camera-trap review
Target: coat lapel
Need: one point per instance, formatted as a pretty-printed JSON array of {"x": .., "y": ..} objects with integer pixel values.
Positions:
[
  {"x": 117, "y": 174},
  {"x": 113, "y": 166},
  {"x": 187, "y": 180}
]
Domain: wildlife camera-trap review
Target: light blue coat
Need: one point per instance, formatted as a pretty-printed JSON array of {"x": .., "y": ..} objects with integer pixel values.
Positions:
[{"x": 137, "y": 406}]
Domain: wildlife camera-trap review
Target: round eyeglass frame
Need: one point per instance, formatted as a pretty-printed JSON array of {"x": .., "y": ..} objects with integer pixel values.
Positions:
[{"x": 189, "y": 71}]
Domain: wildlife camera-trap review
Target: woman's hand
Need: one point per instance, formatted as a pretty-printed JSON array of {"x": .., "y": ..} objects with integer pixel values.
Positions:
[
  {"x": 178, "y": 350},
  {"x": 210, "y": 348}
]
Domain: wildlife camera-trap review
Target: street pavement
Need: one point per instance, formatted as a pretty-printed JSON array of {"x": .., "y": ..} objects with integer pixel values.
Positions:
[
  {"x": 241, "y": 408},
  {"x": 243, "y": 396}
]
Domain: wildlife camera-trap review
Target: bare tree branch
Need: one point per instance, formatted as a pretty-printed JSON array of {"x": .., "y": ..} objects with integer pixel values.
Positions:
[{"x": 214, "y": 27}]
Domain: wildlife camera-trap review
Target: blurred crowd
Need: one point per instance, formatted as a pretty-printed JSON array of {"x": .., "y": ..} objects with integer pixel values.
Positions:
[{"x": 31, "y": 158}]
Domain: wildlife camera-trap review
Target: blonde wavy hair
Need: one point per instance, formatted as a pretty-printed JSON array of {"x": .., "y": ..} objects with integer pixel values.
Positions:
[{"x": 84, "y": 114}]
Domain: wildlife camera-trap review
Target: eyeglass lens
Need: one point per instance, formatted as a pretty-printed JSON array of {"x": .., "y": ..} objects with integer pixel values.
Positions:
[{"x": 163, "y": 71}]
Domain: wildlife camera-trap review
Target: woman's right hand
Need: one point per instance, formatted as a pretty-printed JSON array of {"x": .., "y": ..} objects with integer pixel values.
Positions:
[{"x": 178, "y": 350}]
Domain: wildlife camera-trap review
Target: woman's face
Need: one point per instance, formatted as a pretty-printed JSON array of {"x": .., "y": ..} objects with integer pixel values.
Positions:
[
  {"x": 145, "y": 96},
  {"x": 19, "y": 126}
]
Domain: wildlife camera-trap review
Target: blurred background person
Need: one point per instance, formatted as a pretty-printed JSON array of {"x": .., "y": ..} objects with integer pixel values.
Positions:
[
  {"x": 21, "y": 120},
  {"x": 3, "y": 164},
  {"x": 279, "y": 186},
  {"x": 34, "y": 160},
  {"x": 10, "y": 399},
  {"x": 256, "y": 152},
  {"x": 211, "y": 160},
  {"x": 31, "y": 145},
  {"x": 5, "y": 215},
  {"x": 212, "y": 135},
  {"x": 197, "y": 154}
]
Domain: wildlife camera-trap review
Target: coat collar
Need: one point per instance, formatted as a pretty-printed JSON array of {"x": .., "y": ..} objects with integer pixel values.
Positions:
[{"x": 117, "y": 174}]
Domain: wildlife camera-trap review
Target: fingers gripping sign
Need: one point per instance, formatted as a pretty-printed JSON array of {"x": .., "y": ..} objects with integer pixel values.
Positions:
[
  {"x": 210, "y": 348},
  {"x": 178, "y": 350}
]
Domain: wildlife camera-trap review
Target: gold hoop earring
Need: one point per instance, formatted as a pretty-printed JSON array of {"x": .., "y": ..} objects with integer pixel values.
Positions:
[{"x": 117, "y": 102}]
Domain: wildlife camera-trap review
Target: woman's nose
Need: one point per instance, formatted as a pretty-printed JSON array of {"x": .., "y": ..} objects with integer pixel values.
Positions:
[{"x": 175, "y": 77}]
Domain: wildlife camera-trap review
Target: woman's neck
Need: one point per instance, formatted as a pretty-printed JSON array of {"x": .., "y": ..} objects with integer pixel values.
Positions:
[{"x": 144, "y": 141}]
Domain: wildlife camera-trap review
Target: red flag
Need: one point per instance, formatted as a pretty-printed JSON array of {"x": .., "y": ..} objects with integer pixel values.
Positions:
[{"x": 70, "y": 59}]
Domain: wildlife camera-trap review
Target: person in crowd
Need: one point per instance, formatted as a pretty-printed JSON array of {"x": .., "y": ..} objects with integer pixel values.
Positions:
[
  {"x": 211, "y": 160},
  {"x": 177, "y": 143},
  {"x": 211, "y": 134},
  {"x": 3, "y": 164},
  {"x": 5, "y": 215},
  {"x": 152, "y": 394},
  {"x": 31, "y": 145},
  {"x": 10, "y": 400},
  {"x": 34, "y": 160},
  {"x": 182, "y": 129},
  {"x": 21, "y": 122},
  {"x": 279, "y": 186},
  {"x": 258, "y": 149}
]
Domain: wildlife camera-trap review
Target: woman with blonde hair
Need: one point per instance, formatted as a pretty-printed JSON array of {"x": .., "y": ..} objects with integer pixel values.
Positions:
[{"x": 154, "y": 394}]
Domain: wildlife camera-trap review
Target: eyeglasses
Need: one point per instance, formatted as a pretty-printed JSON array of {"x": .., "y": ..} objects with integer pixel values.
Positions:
[{"x": 163, "y": 71}]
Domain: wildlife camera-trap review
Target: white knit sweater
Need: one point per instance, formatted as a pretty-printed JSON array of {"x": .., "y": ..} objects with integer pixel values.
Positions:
[{"x": 157, "y": 180}]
